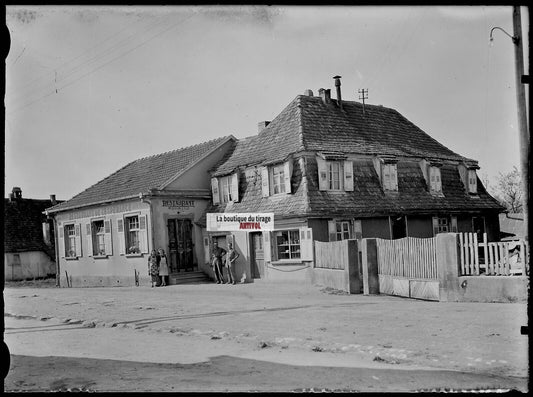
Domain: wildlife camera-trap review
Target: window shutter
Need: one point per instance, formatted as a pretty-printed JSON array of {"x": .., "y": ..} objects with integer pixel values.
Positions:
[
  {"x": 287, "y": 172},
  {"x": 235, "y": 187},
  {"x": 215, "y": 191},
  {"x": 121, "y": 240},
  {"x": 61, "y": 242},
  {"x": 77, "y": 229},
  {"x": 358, "y": 229},
  {"x": 108, "y": 238},
  {"x": 267, "y": 248},
  {"x": 143, "y": 234},
  {"x": 435, "y": 226},
  {"x": 207, "y": 248},
  {"x": 265, "y": 186},
  {"x": 89, "y": 239},
  {"x": 332, "y": 230},
  {"x": 306, "y": 243},
  {"x": 348, "y": 176},
  {"x": 454, "y": 224},
  {"x": 322, "y": 174},
  {"x": 472, "y": 181},
  {"x": 438, "y": 180},
  {"x": 393, "y": 177}
]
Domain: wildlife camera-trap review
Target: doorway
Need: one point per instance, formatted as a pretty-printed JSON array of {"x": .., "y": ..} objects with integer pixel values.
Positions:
[
  {"x": 180, "y": 246},
  {"x": 399, "y": 228},
  {"x": 258, "y": 256}
]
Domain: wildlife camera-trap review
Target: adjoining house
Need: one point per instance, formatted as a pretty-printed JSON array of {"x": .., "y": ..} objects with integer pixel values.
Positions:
[
  {"x": 29, "y": 246},
  {"x": 334, "y": 169},
  {"x": 512, "y": 226},
  {"x": 106, "y": 232}
]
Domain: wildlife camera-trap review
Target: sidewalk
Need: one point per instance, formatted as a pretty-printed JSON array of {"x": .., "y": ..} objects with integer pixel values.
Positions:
[{"x": 475, "y": 337}]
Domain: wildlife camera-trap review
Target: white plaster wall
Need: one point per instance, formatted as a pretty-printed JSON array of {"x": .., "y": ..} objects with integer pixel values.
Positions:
[{"x": 33, "y": 264}]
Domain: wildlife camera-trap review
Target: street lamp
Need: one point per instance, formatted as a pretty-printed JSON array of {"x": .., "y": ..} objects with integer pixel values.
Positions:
[{"x": 521, "y": 106}]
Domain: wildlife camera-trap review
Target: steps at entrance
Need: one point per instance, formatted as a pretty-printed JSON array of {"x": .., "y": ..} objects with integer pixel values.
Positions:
[{"x": 188, "y": 278}]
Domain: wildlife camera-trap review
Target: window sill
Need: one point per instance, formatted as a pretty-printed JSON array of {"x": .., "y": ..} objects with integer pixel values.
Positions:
[
  {"x": 71, "y": 258},
  {"x": 282, "y": 262},
  {"x": 100, "y": 256},
  {"x": 134, "y": 255}
]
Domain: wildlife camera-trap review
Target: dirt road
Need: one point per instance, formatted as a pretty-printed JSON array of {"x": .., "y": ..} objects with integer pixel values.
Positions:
[{"x": 273, "y": 337}]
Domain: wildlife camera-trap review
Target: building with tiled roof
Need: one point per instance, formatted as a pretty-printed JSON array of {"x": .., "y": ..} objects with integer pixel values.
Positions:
[
  {"x": 336, "y": 169},
  {"x": 29, "y": 246},
  {"x": 106, "y": 232}
]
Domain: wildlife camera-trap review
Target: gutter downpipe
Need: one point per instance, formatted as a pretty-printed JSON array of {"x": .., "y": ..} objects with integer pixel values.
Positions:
[{"x": 56, "y": 250}]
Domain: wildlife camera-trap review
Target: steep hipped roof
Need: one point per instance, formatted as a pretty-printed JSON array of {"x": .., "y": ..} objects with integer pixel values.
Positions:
[
  {"x": 142, "y": 175},
  {"x": 23, "y": 230},
  {"x": 308, "y": 124}
]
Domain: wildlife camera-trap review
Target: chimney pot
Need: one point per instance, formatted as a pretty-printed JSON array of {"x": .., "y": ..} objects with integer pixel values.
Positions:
[
  {"x": 325, "y": 95},
  {"x": 262, "y": 125},
  {"x": 53, "y": 199},
  {"x": 338, "y": 87},
  {"x": 17, "y": 192},
  {"x": 308, "y": 92}
]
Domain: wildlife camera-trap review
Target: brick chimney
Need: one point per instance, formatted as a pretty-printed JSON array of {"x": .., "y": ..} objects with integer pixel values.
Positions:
[
  {"x": 338, "y": 87},
  {"x": 262, "y": 125},
  {"x": 325, "y": 95},
  {"x": 53, "y": 199},
  {"x": 308, "y": 92},
  {"x": 17, "y": 192}
]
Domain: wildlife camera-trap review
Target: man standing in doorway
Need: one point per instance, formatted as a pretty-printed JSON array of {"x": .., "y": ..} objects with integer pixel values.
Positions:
[{"x": 216, "y": 256}]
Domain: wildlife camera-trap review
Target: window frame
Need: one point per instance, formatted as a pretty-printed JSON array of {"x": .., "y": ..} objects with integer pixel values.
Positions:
[
  {"x": 435, "y": 179},
  {"x": 292, "y": 249},
  {"x": 279, "y": 171},
  {"x": 472, "y": 181},
  {"x": 132, "y": 249},
  {"x": 96, "y": 235},
  {"x": 388, "y": 182},
  {"x": 330, "y": 164},
  {"x": 68, "y": 239},
  {"x": 340, "y": 235}
]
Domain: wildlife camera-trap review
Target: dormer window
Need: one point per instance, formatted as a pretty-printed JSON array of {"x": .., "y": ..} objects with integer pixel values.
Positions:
[
  {"x": 435, "y": 181},
  {"x": 276, "y": 179},
  {"x": 225, "y": 189},
  {"x": 277, "y": 176},
  {"x": 387, "y": 173},
  {"x": 472, "y": 181},
  {"x": 335, "y": 172}
]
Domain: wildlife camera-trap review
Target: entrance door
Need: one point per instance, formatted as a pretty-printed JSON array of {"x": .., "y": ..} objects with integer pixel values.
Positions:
[
  {"x": 180, "y": 245},
  {"x": 399, "y": 229},
  {"x": 258, "y": 258}
]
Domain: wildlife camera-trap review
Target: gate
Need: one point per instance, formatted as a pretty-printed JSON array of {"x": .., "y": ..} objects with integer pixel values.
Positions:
[{"x": 408, "y": 267}]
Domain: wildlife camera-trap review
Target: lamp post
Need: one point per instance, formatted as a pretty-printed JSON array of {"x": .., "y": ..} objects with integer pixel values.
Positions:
[{"x": 522, "y": 112}]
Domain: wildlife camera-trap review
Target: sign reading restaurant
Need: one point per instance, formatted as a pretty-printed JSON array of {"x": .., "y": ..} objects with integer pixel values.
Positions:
[
  {"x": 178, "y": 204},
  {"x": 231, "y": 222}
]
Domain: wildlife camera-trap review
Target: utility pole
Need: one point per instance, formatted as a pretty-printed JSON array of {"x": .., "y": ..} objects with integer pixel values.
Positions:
[
  {"x": 363, "y": 94},
  {"x": 522, "y": 114}
]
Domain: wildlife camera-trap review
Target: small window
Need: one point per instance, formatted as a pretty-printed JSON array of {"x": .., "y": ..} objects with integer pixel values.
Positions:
[
  {"x": 443, "y": 226},
  {"x": 343, "y": 230},
  {"x": 435, "y": 183},
  {"x": 472, "y": 181},
  {"x": 334, "y": 175},
  {"x": 225, "y": 187},
  {"x": 98, "y": 236},
  {"x": 132, "y": 234},
  {"x": 70, "y": 241},
  {"x": 278, "y": 179},
  {"x": 287, "y": 244}
]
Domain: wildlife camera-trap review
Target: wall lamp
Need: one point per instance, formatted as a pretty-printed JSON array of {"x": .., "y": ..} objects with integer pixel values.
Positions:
[{"x": 514, "y": 38}]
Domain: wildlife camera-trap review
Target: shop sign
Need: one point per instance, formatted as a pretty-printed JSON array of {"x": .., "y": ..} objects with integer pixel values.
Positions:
[
  {"x": 247, "y": 222},
  {"x": 178, "y": 204}
]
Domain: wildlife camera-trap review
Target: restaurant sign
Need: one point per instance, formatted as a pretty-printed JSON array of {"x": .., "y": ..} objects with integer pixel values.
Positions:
[{"x": 178, "y": 204}]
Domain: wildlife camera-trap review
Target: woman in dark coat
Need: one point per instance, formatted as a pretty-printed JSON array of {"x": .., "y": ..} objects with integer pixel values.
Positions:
[{"x": 153, "y": 268}]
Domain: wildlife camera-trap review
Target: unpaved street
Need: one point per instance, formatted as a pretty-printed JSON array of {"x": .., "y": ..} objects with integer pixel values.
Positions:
[{"x": 272, "y": 337}]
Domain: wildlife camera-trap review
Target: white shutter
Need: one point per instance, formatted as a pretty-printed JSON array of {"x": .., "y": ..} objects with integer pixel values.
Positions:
[
  {"x": 386, "y": 177},
  {"x": 265, "y": 186},
  {"x": 358, "y": 229},
  {"x": 143, "y": 234},
  {"x": 394, "y": 177},
  {"x": 89, "y": 234},
  {"x": 435, "y": 226},
  {"x": 215, "y": 190},
  {"x": 287, "y": 172},
  {"x": 77, "y": 228},
  {"x": 454, "y": 224},
  {"x": 332, "y": 230},
  {"x": 235, "y": 187},
  {"x": 348, "y": 176},
  {"x": 306, "y": 244},
  {"x": 108, "y": 238},
  {"x": 121, "y": 240},
  {"x": 267, "y": 248},
  {"x": 61, "y": 242},
  {"x": 322, "y": 173}
]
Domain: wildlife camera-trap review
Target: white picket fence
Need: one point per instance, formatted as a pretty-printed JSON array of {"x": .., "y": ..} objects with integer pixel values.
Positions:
[
  {"x": 493, "y": 258},
  {"x": 409, "y": 257}
]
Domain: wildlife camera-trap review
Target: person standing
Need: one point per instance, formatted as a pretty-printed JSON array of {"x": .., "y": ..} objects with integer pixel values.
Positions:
[
  {"x": 231, "y": 256},
  {"x": 153, "y": 268},
  {"x": 216, "y": 256},
  {"x": 163, "y": 267}
]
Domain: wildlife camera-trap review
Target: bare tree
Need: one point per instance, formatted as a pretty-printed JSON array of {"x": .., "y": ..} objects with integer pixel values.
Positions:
[{"x": 509, "y": 191}]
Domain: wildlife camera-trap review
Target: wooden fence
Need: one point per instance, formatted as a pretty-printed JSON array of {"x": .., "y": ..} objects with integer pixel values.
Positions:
[
  {"x": 502, "y": 258},
  {"x": 331, "y": 255},
  {"x": 408, "y": 257}
]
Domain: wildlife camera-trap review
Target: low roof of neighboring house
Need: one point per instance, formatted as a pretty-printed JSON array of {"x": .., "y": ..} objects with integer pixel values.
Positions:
[
  {"x": 23, "y": 220},
  {"x": 512, "y": 224},
  {"x": 143, "y": 174},
  {"x": 308, "y": 124}
]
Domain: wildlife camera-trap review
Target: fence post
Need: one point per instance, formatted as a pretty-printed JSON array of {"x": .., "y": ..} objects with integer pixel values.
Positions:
[
  {"x": 370, "y": 266},
  {"x": 448, "y": 262},
  {"x": 352, "y": 268}
]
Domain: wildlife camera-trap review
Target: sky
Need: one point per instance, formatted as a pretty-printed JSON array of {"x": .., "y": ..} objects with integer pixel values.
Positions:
[{"x": 92, "y": 88}]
